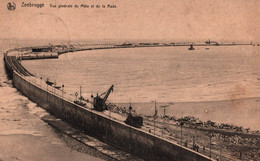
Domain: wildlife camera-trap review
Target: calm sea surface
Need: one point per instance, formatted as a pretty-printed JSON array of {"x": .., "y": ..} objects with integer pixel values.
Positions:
[{"x": 164, "y": 74}]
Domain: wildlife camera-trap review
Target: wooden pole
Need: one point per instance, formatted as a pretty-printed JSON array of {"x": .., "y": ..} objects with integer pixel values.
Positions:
[{"x": 154, "y": 116}]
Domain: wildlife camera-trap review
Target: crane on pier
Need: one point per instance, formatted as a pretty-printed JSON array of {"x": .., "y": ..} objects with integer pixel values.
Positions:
[
  {"x": 51, "y": 45},
  {"x": 65, "y": 46},
  {"x": 99, "y": 103},
  {"x": 70, "y": 46},
  {"x": 80, "y": 46}
]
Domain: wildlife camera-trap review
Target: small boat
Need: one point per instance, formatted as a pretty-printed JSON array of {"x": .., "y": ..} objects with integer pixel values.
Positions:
[
  {"x": 57, "y": 87},
  {"x": 49, "y": 82},
  {"x": 207, "y": 48},
  {"x": 80, "y": 103}
]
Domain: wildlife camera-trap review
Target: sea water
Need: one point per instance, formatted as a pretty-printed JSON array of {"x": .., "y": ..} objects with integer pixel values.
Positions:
[{"x": 164, "y": 74}]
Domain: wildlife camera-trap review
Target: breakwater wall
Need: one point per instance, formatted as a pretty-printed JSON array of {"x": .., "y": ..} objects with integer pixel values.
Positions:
[
  {"x": 40, "y": 55},
  {"x": 133, "y": 140}
]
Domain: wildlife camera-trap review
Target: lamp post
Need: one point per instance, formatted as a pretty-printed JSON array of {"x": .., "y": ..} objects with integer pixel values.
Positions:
[
  {"x": 62, "y": 88},
  {"x": 41, "y": 82},
  {"x": 53, "y": 87},
  {"x": 76, "y": 94},
  {"x": 80, "y": 97},
  {"x": 164, "y": 116},
  {"x": 164, "y": 111},
  {"x": 92, "y": 104},
  {"x": 210, "y": 136},
  {"x": 181, "y": 130},
  {"x": 155, "y": 115}
]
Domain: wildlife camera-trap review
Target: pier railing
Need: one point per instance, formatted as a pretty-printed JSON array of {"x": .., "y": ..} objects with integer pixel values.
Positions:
[{"x": 220, "y": 154}]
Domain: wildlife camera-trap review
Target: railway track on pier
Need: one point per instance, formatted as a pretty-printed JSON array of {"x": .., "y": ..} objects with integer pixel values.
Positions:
[
  {"x": 70, "y": 134},
  {"x": 13, "y": 64}
]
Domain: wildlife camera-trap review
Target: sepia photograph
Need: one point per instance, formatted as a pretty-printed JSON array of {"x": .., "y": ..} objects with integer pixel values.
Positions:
[{"x": 92, "y": 80}]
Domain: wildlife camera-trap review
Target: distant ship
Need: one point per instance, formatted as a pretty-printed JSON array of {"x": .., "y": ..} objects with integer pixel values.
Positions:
[
  {"x": 211, "y": 42},
  {"x": 191, "y": 47}
]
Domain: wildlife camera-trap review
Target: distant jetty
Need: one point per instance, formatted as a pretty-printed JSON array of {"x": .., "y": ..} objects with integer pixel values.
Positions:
[{"x": 52, "y": 51}]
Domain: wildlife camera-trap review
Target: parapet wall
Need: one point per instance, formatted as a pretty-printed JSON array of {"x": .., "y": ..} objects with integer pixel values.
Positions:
[{"x": 133, "y": 140}]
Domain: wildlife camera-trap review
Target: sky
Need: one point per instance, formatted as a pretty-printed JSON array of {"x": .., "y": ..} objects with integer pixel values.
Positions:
[{"x": 178, "y": 20}]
